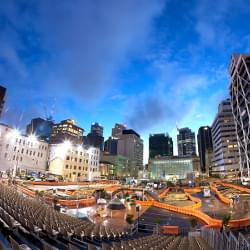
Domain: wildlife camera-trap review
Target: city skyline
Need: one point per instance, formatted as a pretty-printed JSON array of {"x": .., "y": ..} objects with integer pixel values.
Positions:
[{"x": 161, "y": 75}]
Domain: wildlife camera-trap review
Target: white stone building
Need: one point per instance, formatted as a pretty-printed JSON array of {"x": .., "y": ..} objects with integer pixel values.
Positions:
[
  {"x": 20, "y": 153},
  {"x": 74, "y": 162}
]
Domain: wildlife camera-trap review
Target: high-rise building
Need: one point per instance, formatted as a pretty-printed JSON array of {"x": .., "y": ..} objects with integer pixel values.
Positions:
[
  {"x": 97, "y": 129},
  {"x": 160, "y": 145},
  {"x": 41, "y": 128},
  {"x": 95, "y": 137},
  {"x": 66, "y": 130},
  {"x": 239, "y": 70},
  {"x": 204, "y": 139},
  {"x": 225, "y": 162},
  {"x": 186, "y": 142},
  {"x": 110, "y": 146},
  {"x": 117, "y": 130},
  {"x": 21, "y": 154},
  {"x": 2, "y": 98},
  {"x": 130, "y": 145}
]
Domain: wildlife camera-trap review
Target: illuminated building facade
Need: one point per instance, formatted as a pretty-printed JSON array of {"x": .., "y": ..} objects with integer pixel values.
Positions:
[
  {"x": 239, "y": 70},
  {"x": 173, "y": 168},
  {"x": 21, "y": 153},
  {"x": 74, "y": 162},
  {"x": 66, "y": 130},
  {"x": 225, "y": 161}
]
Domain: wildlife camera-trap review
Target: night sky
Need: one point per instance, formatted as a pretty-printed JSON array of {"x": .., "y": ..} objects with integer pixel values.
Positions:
[{"x": 148, "y": 64}]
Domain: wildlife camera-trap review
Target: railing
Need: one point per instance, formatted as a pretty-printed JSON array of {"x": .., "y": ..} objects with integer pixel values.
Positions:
[
  {"x": 219, "y": 195},
  {"x": 164, "y": 192},
  {"x": 182, "y": 210},
  {"x": 63, "y": 202},
  {"x": 224, "y": 240},
  {"x": 198, "y": 202},
  {"x": 242, "y": 189}
]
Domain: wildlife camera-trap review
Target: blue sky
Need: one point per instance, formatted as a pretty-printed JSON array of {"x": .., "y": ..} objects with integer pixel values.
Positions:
[{"x": 148, "y": 64}]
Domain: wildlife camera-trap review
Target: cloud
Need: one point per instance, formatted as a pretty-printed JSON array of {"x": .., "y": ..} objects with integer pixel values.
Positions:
[
  {"x": 73, "y": 47},
  {"x": 212, "y": 21},
  {"x": 146, "y": 111},
  {"x": 177, "y": 97}
]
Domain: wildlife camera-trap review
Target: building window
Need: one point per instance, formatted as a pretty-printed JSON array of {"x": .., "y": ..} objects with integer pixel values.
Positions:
[
  {"x": 80, "y": 160},
  {"x": 74, "y": 167},
  {"x": 67, "y": 158},
  {"x": 41, "y": 155},
  {"x": 79, "y": 168},
  {"x": 13, "y": 157},
  {"x": 67, "y": 166},
  {"x": 7, "y": 146},
  {"x": 5, "y": 155},
  {"x": 21, "y": 158},
  {"x": 78, "y": 174},
  {"x": 22, "y": 150},
  {"x": 75, "y": 159}
]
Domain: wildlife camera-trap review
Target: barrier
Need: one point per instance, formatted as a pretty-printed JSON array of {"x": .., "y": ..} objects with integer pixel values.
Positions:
[
  {"x": 219, "y": 195},
  {"x": 163, "y": 194},
  {"x": 69, "y": 203},
  {"x": 61, "y": 183},
  {"x": 242, "y": 189},
  {"x": 198, "y": 202},
  {"x": 173, "y": 230},
  {"x": 192, "y": 190},
  {"x": 182, "y": 210}
]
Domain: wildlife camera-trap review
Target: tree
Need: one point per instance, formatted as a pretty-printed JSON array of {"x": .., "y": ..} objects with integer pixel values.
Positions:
[
  {"x": 193, "y": 223},
  {"x": 157, "y": 221},
  {"x": 225, "y": 220},
  {"x": 129, "y": 219}
]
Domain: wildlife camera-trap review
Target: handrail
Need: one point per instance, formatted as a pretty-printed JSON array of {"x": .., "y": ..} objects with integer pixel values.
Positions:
[
  {"x": 242, "y": 189},
  {"x": 63, "y": 202},
  {"x": 219, "y": 195},
  {"x": 183, "y": 210},
  {"x": 198, "y": 202}
]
